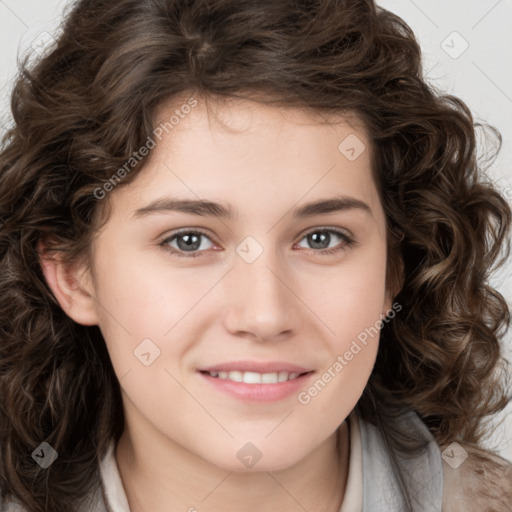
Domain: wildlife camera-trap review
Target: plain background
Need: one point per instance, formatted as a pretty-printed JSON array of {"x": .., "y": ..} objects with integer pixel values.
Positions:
[{"x": 467, "y": 49}]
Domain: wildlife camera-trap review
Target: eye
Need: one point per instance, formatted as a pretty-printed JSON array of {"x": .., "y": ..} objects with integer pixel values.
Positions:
[
  {"x": 321, "y": 239},
  {"x": 187, "y": 242}
]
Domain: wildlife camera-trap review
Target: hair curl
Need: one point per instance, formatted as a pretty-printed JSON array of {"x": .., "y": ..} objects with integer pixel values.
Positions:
[{"x": 80, "y": 112}]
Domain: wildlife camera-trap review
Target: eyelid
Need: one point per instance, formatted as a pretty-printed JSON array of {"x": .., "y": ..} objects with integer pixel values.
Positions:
[
  {"x": 186, "y": 230},
  {"x": 340, "y": 231}
]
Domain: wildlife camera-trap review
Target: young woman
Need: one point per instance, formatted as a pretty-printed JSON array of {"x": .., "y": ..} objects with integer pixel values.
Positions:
[{"x": 245, "y": 252}]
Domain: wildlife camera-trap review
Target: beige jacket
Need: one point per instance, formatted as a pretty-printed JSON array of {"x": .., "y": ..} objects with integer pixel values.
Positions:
[
  {"x": 453, "y": 478},
  {"x": 483, "y": 482}
]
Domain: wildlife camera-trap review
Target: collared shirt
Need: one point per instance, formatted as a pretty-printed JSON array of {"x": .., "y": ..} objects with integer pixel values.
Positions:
[{"x": 116, "y": 500}]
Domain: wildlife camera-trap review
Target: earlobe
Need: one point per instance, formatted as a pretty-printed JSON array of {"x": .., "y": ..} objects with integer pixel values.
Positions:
[
  {"x": 395, "y": 276},
  {"x": 395, "y": 282},
  {"x": 71, "y": 286},
  {"x": 386, "y": 310}
]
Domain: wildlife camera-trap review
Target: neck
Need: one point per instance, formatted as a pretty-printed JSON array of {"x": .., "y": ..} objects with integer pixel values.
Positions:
[{"x": 168, "y": 477}]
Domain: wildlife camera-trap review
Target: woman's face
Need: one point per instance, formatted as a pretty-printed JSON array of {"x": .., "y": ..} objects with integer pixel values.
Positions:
[{"x": 291, "y": 282}]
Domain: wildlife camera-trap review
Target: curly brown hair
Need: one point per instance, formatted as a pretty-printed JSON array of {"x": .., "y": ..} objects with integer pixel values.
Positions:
[{"x": 81, "y": 111}]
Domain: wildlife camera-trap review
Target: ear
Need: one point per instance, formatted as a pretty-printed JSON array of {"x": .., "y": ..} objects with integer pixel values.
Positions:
[{"x": 72, "y": 286}]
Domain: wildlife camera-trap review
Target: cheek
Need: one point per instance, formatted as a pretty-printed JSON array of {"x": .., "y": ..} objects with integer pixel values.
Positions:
[
  {"x": 146, "y": 300},
  {"x": 355, "y": 297},
  {"x": 353, "y": 311},
  {"x": 352, "y": 308},
  {"x": 145, "y": 308}
]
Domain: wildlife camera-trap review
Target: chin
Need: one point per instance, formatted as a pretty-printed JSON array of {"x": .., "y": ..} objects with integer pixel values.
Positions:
[{"x": 253, "y": 457}]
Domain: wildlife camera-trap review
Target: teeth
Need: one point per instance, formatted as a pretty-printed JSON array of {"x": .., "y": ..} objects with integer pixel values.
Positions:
[
  {"x": 254, "y": 377},
  {"x": 236, "y": 376},
  {"x": 269, "y": 378},
  {"x": 249, "y": 377}
]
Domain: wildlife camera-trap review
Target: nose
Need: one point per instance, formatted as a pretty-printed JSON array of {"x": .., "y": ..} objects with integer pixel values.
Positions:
[{"x": 261, "y": 301}]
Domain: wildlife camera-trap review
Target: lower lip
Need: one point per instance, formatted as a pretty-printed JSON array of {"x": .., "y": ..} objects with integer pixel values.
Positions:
[{"x": 258, "y": 392}]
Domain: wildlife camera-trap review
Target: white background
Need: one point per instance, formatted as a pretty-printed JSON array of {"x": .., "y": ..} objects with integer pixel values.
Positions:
[{"x": 481, "y": 76}]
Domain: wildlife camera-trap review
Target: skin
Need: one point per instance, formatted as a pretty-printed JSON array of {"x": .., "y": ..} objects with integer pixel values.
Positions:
[{"x": 294, "y": 304}]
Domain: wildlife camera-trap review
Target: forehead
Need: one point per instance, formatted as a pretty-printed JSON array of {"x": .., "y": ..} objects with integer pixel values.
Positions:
[
  {"x": 242, "y": 149},
  {"x": 231, "y": 115}
]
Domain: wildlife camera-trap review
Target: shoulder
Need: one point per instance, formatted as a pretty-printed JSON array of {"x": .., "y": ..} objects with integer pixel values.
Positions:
[
  {"x": 475, "y": 479},
  {"x": 9, "y": 505}
]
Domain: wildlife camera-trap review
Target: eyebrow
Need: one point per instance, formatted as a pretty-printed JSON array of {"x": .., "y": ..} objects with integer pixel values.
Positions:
[{"x": 206, "y": 208}]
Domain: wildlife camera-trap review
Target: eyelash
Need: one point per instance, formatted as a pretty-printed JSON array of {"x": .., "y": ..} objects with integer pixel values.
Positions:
[{"x": 349, "y": 242}]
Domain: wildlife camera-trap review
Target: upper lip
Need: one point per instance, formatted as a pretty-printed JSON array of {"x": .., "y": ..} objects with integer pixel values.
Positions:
[{"x": 256, "y": 366}]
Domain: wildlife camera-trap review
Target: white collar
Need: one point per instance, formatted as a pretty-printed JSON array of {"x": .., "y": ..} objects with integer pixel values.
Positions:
[
  {"x": 115, "y": 494},
  {"x": 353, "y": 499}
]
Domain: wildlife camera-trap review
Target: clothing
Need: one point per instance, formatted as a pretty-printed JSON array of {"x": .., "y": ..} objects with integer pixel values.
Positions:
[
  {"x": 423, "y": 473},
  {"x": 115, "y": 496},
  {"x": 370, "y": 480},
  {"x": 353, "y": 499},
  {"x": 371, "y": 484},
  {"x": 482, "y": 482}
]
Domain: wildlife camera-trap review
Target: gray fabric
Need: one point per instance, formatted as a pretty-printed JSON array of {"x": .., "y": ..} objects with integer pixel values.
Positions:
[{"x": 422, "y": 473}]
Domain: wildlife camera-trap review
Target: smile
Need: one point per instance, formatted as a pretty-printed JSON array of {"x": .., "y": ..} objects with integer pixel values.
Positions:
[{"x": 255, "y": 377}]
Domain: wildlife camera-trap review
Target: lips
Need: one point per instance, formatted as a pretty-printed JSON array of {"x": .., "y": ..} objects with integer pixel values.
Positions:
[
  {"x": 256, "y": 380},
  {"x": 261, "y": 367},
  {"x": 254, "y": 372}
]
